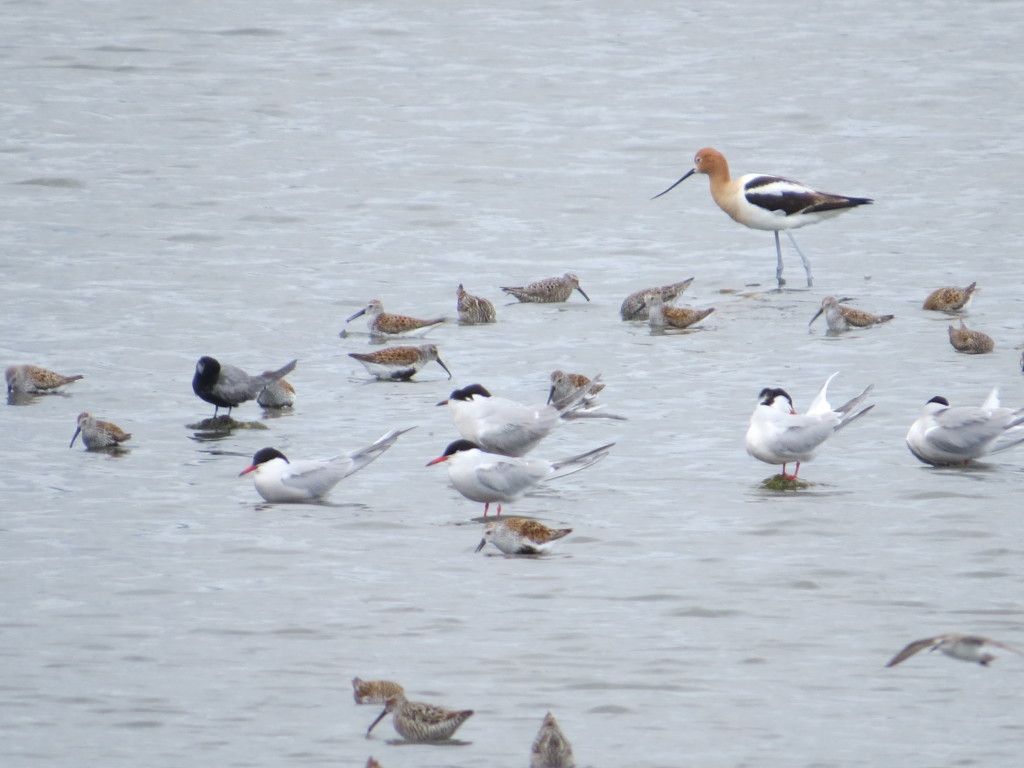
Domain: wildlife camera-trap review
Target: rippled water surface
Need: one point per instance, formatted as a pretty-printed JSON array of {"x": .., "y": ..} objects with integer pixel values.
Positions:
[{"x": 235, "y": 179}]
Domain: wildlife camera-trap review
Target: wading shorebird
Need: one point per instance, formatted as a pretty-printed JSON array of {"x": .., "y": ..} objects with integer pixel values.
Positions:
[
  {"x": 281, "y": 481},
  {"x": 548, "y": 291},
  {"x": 634, "y": 306},
  {"x": 963, "y": 647},
  {"x": 970, "y": 342},
  {"x": 98, "y": 434},
  {"x": 841, "y": 318},
  {"x": 660, "y": 316},
  {"x": 780, "y": 435},
  {"x": 383, "y": 323},
  {"x": 474, "y": 310},
  {"x": 278, "y": 394},
  {"x": 375, "y": 691},
  {"x": 563, "y": 385},
  {"x": 399, "y": 363},
  {"x": 417, "y": 721},
  {"x": 551, "y": 749},
  {"x": 946, "y": 436},
  {"x": 520, "y": 536},
  {"x": 32, "y": 379},
  {"x": 767, "y": 202},
  {"x": 950, "y": 298},
  {"x": 227, "y": 386},
  {"x": 491, "y": 478}
]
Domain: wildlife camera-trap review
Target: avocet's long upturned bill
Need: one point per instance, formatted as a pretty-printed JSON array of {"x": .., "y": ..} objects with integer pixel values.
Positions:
[
  {"x": 281, "y": 481},
  {"x": 945, "y": 435},
  {"x": 227, "y": 386},
  {"x": 779, "y": 435},
  {"x": 491, "y": 478},
  {"x": 767, "y": 202},
  {"x": 504, "y": 426}
]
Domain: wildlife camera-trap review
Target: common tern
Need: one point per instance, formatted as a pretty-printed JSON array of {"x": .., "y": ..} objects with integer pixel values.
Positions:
[
  {"x": 962, "y": 647},
  {"x": 98, "y": 434},
  {"x": 779, "y": 435},
  {"x": 945, "y": 435},
  {"x": 420, "y": 722},
  {"x": 227, "y": 386},
  {"x": 281, "y": 481},
  {"x": 32, "y": 379},
  {"x": 548, "y": 291},
  {"x": 521, "y": 536},
  {"x": 491, "y": 478}
]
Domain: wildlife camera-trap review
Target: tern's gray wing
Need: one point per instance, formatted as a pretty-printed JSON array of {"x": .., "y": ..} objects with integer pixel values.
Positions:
[
  {"x": 512, "y": 478},
  {"x": 962, "y": 430},
  {"x": 516, "y": 438},
  {"x": 804, "y": 433},
  {"x": 1005, "y": 647},
  {"x": 318, "y": 477},
  {"x": 914, "y": 647}
]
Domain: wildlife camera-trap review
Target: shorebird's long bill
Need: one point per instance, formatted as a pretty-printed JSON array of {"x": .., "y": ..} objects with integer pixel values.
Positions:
[
  {"x": 583, "y": 292},
  {"x": 816, "y": 315},
  {"x": 363, "y": 310},
  {"x": 481, "y": 545},
  {"x": 551, "y": 394},
  {"x": 441, "y": 363},
  {"x": 374, "y": 723},
  {"x": 74, "y": 436},
  {"x": 687, "y": 175}
]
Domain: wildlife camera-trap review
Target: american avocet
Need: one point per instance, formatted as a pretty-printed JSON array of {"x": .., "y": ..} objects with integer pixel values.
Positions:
[
  {"x": 227, "y": 386},
  {"x": 659, "y": 316},
  {"x": 551, "y": 749},
  {"x": 946, "y": 436},
  {"x": 278, "y": 394},
  {"x": 374, "y": 691},
  {"x": 520, "y": 536},
  {"x": 962, "y": 647},
  {"x": 98, "y": 434},
  {"x": 399, "y": 363},
  {"x": 474, "y": 310},
  {"x": 548, "y": 291},
  {"x": 634, "y": 308},
  {"x": 384, "y": 323},
  {"x": 842, "y": 318},
  {"x": 970, "y": 342},
  {"x": 767, "y": 202},
  {"x": 950, "y": 298},
  {"x": 32, "y": 379},
  {"x": 417, "y": 721}
]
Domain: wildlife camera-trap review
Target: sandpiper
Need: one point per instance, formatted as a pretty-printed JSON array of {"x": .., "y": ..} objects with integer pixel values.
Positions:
[
  {"x": 399, "y": 363},
  {"x": 950, "y": 298},
  {"x": 32, "y": 379},
  {"x": 548, "y": 291},
  {"x": 962, "y": 647},
  {"x": 385, "y": 323},
  {"x": 474, "y": 310},
  {"x": 371, "y": 763},
  {"x": 565, "y": 384},
  {"x": 520, "y": 536},
  {"x": 278, "y": 394},
  {"x": 661, "y": 316},
  {"x": 98, "y": 434},
  {"x": 634, "y": 308},
  {"x": 970, "y": 342},
  {"x": 374, "y": 691},
  {"x": 417, "y": 721},
  {"x": 842, "y": 318},
  {"x": 551, "y": 749}
]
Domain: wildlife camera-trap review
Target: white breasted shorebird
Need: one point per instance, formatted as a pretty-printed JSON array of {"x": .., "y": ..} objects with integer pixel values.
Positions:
[
  {"x": 970, "y": 342},
  {"x": 520, "y": 536},
  {"x": 661, "y": 316},
  {"x": 474, "y": 310},
  {"x": 491, "y": 478},
  {"x": 963, "y": 647},
  {"x": 399, "y": 363},
  {"x": 946, "y": 436},
  {"x": 780, "y": 435},
  {"x": 950, "y": 298},
  {"x": 563, "y": 385},
  {"x": 768, "y": 202},
  {"x": 281, "y": 481},
  {"x": 384, "y": 323},
  {"x": 548, "y": 291},
  {"x": 551, "y": 749},
  {"x": 98, "y": 434},
  {"x": 842, "y": 318},
  {"x": 420, "y": 722},
  {"x": 32, "y": 379},
  {"x": 375, "y": 691},
  {"x": 277, "y": 394},
  {"x": 227, "y": 386},
  {"x": 634, "y": 306}
]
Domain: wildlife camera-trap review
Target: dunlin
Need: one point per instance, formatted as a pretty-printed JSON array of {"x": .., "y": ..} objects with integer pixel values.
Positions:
[
  {"x": 946, "y": 436},
  {"x": 950, "y": 298},
  {"x": 474, "y": 310},
  {"x": 374, "y": 691},
  {"x": 634, "y": 308},
  {"x": 417, "y": 721},
  {"x": 548, "y": 291},
  {"x": 962, "y": 647},
  {"x": 551, "y": 749},
  {"x": 661, "y": 316},
  {"x": 277, "y": 394},
  {"x": 98, "y": 434},
  {"x": 399, "y": 363},
  {"x": 842, "y": 318},
  {"x": 31, "y": 379},
  {"x": 519, "y": 536},
  {"x": 227, "y": 386},
  {"x": 371, "y": 763},
  {"x": 564, "y": 385},
  {"x": 768, "y": 202},
  {"x": 384, "y": 323},
  {"x": 970, "y": 342}
]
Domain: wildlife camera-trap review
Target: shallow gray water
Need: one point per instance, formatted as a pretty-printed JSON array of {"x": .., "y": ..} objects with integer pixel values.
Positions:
[{"x": 235, "y": 179}]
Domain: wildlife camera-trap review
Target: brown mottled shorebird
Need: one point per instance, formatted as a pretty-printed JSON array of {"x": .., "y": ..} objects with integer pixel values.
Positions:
[
  {"x": 399, "y": 363},
  {"x": 474, "y": 310},
  {"x": 548, "y": 291},
  {"x": 381, "y": 322},
  {"x": 962, "y": 647},
  {"x": 417, "y": 721},
  {"x": 98, "y": 434},
  {"x": 278, "y": 394},
  {"x": 371, "y": 763},
  {"x": 551, "y": 749},
  {"x": 672, "y": 317},
  {"x": 950, "y": 299},
  {"x": 520, "y": 536},
  {"x": 564, "y": 384},
  {"x": 31, "y": 379},
  {"x": 841, "y": 318},
  {"x": 634, "y": 308},
  {"x": 970, "y": 342},
  {"x": 374, "y": 691}
]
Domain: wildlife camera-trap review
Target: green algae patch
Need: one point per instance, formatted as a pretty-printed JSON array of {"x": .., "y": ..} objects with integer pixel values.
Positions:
[{"x": 784, "y": 483}]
